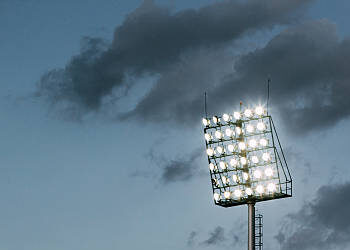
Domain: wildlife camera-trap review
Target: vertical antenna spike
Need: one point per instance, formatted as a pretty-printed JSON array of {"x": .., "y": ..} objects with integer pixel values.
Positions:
[
  {"x": 268, "y": 95},
  {"x": 205, "y": 105}
]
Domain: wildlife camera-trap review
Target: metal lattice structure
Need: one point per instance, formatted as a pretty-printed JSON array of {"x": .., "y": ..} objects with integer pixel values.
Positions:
[
  {"x": 259, "y": 232},
  {"x": 246, "y": 160}
]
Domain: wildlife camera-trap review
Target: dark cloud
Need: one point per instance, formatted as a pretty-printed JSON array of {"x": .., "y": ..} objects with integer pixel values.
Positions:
[
  {"x": 183, "y": 168},
  {"x": 191, "y": 238},
  {"x": 321, "y": 224},
  {"x": 150, "y": 40},
  {"x": 217, "y": 237},
  {"x": 310, "y": 81}
]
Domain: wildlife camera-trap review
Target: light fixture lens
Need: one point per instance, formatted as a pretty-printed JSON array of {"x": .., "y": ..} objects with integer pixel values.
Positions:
[
  {"x": 231, "y": 148},
  {"x": 252, "y": 143},
  {"x": 205, "y": 122},
  {"x": 211, "y": 167},
  {"x": 271, "y": 187},
  {"x": 243, "y": 160},
  {"x": 257, "y": 174},
  {"x": 248, "y": 191},
  {"x": 215, "y": 119},
  {"x": 228, "y": 132},
  {"x": 238, "y": 193},
  {"x": 233, "y": 162},
  {"x": 238, "y": 130},
  {"x": 263, "y": 142},
  {"x": 210, "y": 151},
  {"x": 224, "y": 180},
  {"x": 268, "y": 172},
  {"x": 216, "y": 196},
  {"x": 245, "y": 176},
  {"x": 237, "y": 115},
  {"x": 248, "y": 113},
  {"x": 250, "y": 128},
  {"x": 220, "y": 150},
  {"x": 260, "y": 189},
  {"x": 266, "y": 156},
  {"x": 226, "y": 117},
  {"x": 235, "y": 178},
  {"x": 227, "y": 194},
  {"x": 259, "y": 110},
  {"x": 207, "y": 137},
  {"x": 241, "y": 145},
  {"x": 218, "y": 134},
  {"x": 261, "y": 126},
  {"x": 255, "y": 159},
  {"x": 222, "y": 165}
]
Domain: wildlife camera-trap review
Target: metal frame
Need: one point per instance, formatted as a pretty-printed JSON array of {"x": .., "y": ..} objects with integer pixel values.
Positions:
[{"x": 284, "y": 178}]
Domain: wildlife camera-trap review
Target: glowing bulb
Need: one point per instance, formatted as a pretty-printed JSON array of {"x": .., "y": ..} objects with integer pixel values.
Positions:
[
  {"x": 228, "y": 132},
  {"x": 233, "y": 162},
  {"x": 207, "y": 137},
  {"x": 260, "y": 189},
  {"x": 216, "y": 196},
  {"x": 241, "y": 145},
  {"x": 259, "y": 110},
  {"x": 248, "y": 113},
  {"x": 248, "y": 191},
  {"x": 227, "y": 194},
  {"x": 222, "y": 165},
  {"x": 235, "y": 178},
  {"x": 226, "y": 117},
  {"x": 257, "y": 174},
  {"x": 206, "y": 122},
  {"x": 231, "y": 148},
  {"x": 211, "y": 166},
  {"x": 268, "y": 172},
  {"x": 238, "y": 193},
  {"x": 271, "y": 187},
  {"x": 266, "y": 156},
  {"x": 250, "y": 128},
  {"x": 218, "y": 134},
  {"x": 245, "y": 176},
  {"x": 252, "y": 143},
  {"x": 224, "y": 179},
  {"x": 237, "y": 115},
  {"x": 263, "y": 142},
  {"x": 261, "y": 126},
  {"x": 243, "y": 160},
  {"x": 255, "y": 159},
  {"x": 215, "y": 119},
  {"x": 238, "y": 130},
  {"x": 210, "y": 151},
  {"x": 220, "y": 150}
]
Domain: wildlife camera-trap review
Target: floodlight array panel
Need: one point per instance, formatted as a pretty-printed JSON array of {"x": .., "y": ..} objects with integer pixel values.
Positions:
[{"x": 228, "y": 177}]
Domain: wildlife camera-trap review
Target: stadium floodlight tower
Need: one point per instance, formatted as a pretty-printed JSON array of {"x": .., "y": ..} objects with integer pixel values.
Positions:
[{"x": 246, "y": 161}]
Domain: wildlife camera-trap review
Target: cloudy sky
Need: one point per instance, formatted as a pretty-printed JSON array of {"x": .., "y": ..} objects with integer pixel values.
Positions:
[{"x": 101, "y": 135}]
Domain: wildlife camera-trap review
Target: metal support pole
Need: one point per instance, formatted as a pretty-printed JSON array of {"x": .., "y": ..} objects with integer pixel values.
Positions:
[{"x": 251, "y": 226}]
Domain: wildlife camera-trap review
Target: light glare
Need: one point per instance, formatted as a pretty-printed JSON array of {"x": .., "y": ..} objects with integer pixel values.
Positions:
[
  {"x": 250, "y": 128},
  {"x": 226, "y": 117},
  {"x": 237, "y": 115},
  {"x": 241, "y": 145},
  {"x": 259, "y": 110},
  {"x": 210, "y": 151},
  {"x": 248, "y": 113},
  {"x": 227, "y": 195},
  {"x": 261, "y": 126},
  {"x": 238, "y": 193},
  {"x": 260, "y": 189},
  {"x": 222, "y": 165},
  {"x": 218, "y": 134}
]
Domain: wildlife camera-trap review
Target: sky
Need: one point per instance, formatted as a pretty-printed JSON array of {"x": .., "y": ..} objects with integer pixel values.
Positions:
[{"x": 101, "y": 137}]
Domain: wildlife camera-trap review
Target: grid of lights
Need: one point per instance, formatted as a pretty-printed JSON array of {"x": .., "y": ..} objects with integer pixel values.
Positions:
[{"x": 244, "y": 162}]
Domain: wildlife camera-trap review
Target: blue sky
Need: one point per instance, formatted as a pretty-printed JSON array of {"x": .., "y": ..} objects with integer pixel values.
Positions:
[{"x": 92, "y": 184}]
